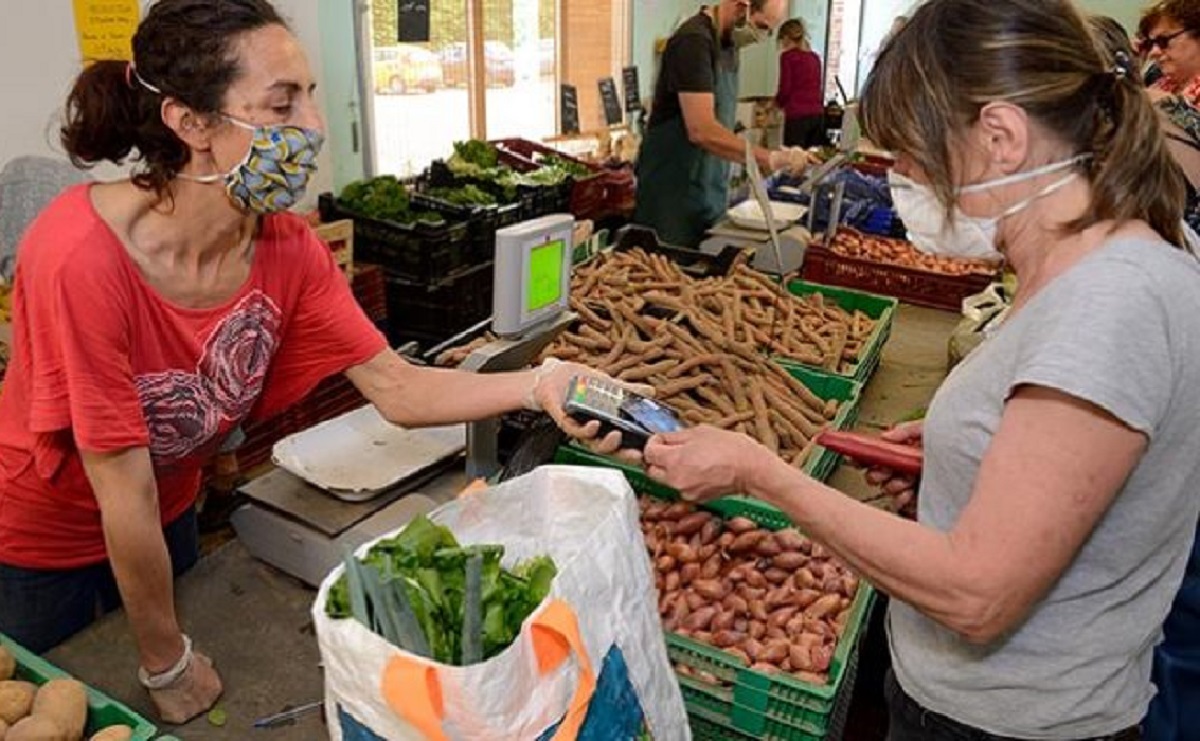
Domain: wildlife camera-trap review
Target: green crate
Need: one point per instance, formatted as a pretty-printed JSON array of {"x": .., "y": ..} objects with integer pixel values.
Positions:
[
  {"x": 103, "y": 711},
  {"x": 767, "y": 706},
  {"x": 821, "y": 464},
  {"x": 881, "y": 309}
]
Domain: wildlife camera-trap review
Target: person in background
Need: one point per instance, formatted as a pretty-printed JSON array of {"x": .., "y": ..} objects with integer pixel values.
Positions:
[
  {"x": 1057, "y": 503},
  {"x": 1151, "y": 73},
  {"x": 683, "y": 165},
  {"x": 152, "y": 316},
  {"x": 800, "y": 88},
  {"x": 1180, "y": 120},
  {"x": 1173, "y": 44}
]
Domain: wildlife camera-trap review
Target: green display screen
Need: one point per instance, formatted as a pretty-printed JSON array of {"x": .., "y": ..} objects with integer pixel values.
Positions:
[{"x": 544, "y": 282}]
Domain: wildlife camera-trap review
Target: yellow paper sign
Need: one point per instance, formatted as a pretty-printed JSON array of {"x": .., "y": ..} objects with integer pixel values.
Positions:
[{"x": 105, "y": 28}]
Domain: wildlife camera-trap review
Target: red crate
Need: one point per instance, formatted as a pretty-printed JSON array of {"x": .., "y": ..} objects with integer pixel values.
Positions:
[
  {"x": 921, "y": 287},
  {"x": 370, "y": 290},
  {"x": 620, "y": 191},
  {"x": 587, "y": 194}
]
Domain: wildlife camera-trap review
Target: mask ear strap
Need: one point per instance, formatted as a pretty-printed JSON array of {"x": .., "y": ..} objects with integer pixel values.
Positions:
[{"x": 1051, "y": 188}]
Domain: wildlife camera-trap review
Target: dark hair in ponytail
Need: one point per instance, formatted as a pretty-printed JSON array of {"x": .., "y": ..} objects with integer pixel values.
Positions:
[
  {"x": 184, "y": 48},
  {"x": 956, "y": 56}
]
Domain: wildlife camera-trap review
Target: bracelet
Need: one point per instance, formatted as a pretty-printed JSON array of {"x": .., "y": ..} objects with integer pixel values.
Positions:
[
  {"x": 162, "y": 680},
  {"x": 548, "y": 365}
]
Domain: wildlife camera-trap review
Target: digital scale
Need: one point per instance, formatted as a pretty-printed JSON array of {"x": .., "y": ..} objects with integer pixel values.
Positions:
[
  {"x": 636, "y": 417},
  {"x": 305, "y": 531}
]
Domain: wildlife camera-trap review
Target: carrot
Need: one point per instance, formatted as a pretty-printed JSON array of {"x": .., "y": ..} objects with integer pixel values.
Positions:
[
  {"x": 728, "y": 422},
  {"x": 762, "y": 419},
  {"x": 736, "y": 383},
  {"x": 642, "y": 371},
  {"x": 693, "y": 362},
  {"x": 874, "y": 451}
]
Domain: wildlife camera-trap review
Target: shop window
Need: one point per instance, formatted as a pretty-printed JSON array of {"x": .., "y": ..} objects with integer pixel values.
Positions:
[{"x": 423, "y": 99}]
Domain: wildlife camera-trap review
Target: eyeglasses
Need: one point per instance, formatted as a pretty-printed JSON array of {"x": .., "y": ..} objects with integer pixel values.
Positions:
[{"x": 1163, "y": 41}]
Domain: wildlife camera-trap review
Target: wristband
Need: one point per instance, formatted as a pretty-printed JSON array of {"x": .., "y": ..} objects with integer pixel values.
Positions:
[{"x": 165, "y": 679}]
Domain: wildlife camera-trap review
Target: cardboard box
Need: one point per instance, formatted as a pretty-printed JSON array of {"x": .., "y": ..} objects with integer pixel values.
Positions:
[{"x": 339, "y": 235}]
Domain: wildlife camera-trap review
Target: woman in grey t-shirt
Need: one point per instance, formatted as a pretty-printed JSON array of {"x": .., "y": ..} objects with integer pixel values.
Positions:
[{"x": 1058, "y": 500}]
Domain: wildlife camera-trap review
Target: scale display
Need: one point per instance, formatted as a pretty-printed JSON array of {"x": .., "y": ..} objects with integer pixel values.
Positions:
[
  {"x": 533, "y": 273},
  {"x": 545, "y": 276}
]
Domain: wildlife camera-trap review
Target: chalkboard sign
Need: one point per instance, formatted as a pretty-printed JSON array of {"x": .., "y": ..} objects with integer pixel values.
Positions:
[
  {"x": 613, "y": 115},
  {"x": 633, "y": 89},
  {"x": 412, "y": 18},
  {"x": 568, "y": 107}
]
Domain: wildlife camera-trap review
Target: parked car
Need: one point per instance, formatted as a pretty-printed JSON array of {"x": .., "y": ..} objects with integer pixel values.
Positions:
[
  {"x": 406, "y": 69},
  {"x": 499, "y": 67}
]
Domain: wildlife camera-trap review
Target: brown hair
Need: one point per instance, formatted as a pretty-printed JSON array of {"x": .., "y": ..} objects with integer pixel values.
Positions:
[
  {"x": 1150, "y": 18},
  {"x": 184, "y": 49},
  {"x": 1184, "y": 12},
  {"x": 793, "y": 30},
  {"x": 955, "y": 56},
  {"x": 1115, "y": 45}
]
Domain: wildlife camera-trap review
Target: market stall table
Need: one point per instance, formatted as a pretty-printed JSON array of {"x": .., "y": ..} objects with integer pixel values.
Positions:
[{"x": 254, "y": 621}]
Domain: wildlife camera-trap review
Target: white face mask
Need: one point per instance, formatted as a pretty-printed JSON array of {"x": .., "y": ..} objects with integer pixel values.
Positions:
[
  {"x": 745, "y": 33},
  {"x": 966, "y": 237}
]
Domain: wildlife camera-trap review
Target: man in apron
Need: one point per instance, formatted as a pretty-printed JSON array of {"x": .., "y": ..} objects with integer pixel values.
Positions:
[{"x": 683, "y": 170}]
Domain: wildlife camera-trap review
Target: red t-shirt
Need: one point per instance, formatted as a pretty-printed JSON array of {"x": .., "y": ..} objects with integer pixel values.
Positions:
[
  {"x": 800, "y": 84},
  {"x": 101, "y": 362}
]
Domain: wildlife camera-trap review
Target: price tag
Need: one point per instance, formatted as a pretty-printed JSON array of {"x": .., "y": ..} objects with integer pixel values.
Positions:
[
  {"x": 633, "y": 90},
  {"x": 613, "y": 115},
  {"x": 568, "y": 106},
  {"x": 413, "y": 21}
]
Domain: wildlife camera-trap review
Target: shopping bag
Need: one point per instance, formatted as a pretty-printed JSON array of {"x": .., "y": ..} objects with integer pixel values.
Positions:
[{"x": 589, "y": 663}]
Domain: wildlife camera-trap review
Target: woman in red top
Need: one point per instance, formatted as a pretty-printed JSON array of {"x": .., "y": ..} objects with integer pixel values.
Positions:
[
  {"x": 152, "y": 316},
  {"x": 800, "y": 88}
]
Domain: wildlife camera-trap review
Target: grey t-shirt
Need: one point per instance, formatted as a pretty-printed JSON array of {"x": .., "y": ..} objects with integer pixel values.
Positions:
[{"x": 1121, "y": 330}]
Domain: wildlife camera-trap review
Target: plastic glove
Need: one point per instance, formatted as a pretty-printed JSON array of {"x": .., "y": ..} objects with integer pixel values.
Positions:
[
  {"x": 548, "y": 392},
  {"x": 195, "y": 691},
  {"x": 794, "y": 160}
]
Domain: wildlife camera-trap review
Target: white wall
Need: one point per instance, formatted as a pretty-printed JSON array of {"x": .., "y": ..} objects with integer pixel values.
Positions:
[{"x": 39, "y": 59}]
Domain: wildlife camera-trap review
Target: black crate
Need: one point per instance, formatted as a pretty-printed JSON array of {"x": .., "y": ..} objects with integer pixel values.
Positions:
[
  {"x": 482, "y": 222},
  {"x": 421, "y": 252},
  {"x": 432, "y": 314},
  {"x": 691, "y": 261}
]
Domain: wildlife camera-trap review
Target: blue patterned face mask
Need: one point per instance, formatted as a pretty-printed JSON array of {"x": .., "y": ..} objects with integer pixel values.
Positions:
[{"x": 275, "y": 172}]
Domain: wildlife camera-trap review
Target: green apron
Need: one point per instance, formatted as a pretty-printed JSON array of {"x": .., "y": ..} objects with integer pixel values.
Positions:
[{"x": 683, "y": 190}]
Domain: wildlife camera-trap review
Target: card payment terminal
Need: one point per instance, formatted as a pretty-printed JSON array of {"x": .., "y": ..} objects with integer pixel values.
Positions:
[{"x": 636, "y": 417}]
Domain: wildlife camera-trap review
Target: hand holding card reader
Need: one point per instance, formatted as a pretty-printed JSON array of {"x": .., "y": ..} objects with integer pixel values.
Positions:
[{"x": 636, "y": 417}]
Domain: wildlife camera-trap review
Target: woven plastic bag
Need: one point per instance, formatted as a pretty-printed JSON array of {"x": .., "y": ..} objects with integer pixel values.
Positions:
[{"x": 590, "y": 662}]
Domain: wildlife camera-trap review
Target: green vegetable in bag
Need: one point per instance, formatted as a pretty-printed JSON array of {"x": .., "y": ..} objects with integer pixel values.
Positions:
[{"x": 425, "y": 593}]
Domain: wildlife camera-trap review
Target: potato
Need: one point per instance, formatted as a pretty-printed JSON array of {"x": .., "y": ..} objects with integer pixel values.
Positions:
[
  {"x": 692, "y": 524},
  {"x": 747, "y": 541},
  {"x": 8, "y": 665},
  {"x": 35, "y": 728},
  {"x": 689, "y": 572},
  {"x": 16, "y": 700},
  {"x": 63, "y": 701},
  {"x": 789, "y": 560},
  {"x": 827, "y": 605},
  {"x": 113, "y": 733},
  {"x": 712, "y": 589},
  {"x": 740, "y": 525},
  {"x": 700, "y": 619}
]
